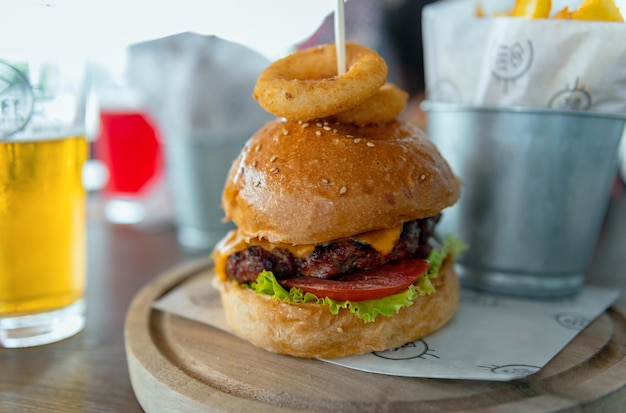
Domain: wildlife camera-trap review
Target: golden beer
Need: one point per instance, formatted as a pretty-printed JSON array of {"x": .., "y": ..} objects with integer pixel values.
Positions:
[{"x": 42, "y": 224}]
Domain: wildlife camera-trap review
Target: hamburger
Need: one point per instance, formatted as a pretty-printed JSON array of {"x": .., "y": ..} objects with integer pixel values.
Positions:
[{"x": 333, "y": 252}]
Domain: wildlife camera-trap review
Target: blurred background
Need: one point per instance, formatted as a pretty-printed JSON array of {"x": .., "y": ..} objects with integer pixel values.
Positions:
[
  {"x": 102, "y": 29},
  {"x": 170, "y": 86},
  {"x": 137, "y": 61},
  {"x": 158, "y": 123}
]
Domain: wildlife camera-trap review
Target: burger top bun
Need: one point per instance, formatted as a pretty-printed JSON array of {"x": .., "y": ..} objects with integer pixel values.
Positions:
[{"x": 309, "y": 183}]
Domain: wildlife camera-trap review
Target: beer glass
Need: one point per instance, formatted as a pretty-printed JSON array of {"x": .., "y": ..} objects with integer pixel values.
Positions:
[{"x": 42, "y": 201}]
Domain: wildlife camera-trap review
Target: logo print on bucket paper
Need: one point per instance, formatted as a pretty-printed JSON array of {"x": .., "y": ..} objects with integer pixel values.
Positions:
[
  {"x": 575, "y": 98},
  {"x": 510, "y": 62},
  {"x": 16, "y": 100}
]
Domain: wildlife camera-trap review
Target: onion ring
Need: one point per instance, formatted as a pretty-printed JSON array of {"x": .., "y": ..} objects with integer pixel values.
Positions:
[
  {"x": 305, "y": 86},
  {"x": 387, "y": 103}
]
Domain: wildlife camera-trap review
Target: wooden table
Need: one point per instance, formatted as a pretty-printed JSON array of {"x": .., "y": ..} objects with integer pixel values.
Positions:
[{"x": 88, "y": 373}]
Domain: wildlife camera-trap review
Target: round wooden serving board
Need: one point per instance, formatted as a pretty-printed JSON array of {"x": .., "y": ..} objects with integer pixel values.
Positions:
[{"x": 178, "y": 365}]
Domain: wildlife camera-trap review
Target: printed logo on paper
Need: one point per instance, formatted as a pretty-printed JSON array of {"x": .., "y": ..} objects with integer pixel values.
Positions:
[
  {"x": 512, "y": 61},
  {"x": 573, "y": 321},
  {"x": 517, "y": 370},
  {"x": 413, "y": 350},
  {"x": 574, "y": 98},
  {"x": 16, "y": 100}
]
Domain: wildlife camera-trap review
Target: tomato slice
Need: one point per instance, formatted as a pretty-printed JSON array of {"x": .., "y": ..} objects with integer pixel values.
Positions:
[{"x": 364, "y": 285}]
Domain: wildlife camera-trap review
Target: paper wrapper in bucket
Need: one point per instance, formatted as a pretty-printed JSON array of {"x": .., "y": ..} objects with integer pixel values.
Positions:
[
  {"x": 529, "y": 114},
  {"x": 508, "y": 61},
  {"x": 199, "y": 91},
  {"x": 198, "y": 86}
]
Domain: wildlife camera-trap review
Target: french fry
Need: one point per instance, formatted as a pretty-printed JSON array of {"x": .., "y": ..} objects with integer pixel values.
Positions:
[
  {"x": 534, "y": 9},
  {"x": 598, "y": 10},
  {"x": 480, "y": 12},
  {"x": 594, "y": 10},
  {"x": 564, "y": 13}
]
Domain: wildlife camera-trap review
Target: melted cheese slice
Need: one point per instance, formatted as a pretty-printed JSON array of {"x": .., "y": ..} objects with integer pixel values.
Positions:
[{"x": 382, "y": 240}]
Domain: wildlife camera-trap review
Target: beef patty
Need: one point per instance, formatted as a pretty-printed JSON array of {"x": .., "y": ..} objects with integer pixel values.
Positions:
[{"x": 332, "y": 259}]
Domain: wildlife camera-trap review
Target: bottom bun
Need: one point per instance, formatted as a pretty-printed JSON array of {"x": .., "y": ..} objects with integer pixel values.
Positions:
[{"x": 310, "y": 330}]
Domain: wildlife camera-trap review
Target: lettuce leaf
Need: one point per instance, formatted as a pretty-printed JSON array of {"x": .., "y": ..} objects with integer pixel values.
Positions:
[
  {"x": 367, "y": 310},
  {"x": 450, "y": 245}
]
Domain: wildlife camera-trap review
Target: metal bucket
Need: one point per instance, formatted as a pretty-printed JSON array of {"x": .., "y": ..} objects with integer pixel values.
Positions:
[{"x": 536, "y": 186}]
